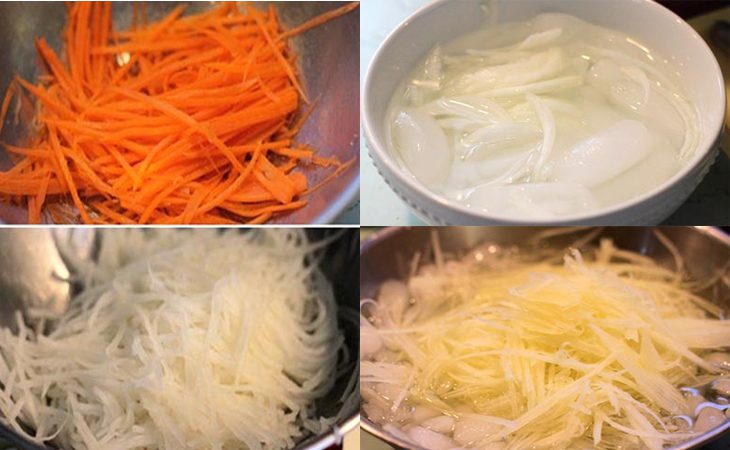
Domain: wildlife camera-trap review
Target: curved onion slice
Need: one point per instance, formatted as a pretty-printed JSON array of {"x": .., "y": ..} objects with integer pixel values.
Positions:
[
  {"x": 430, "y": 439},
  {"x": 605, "y": 155},
  {"x": 423, "y": 146},
  {"x": 533, "y": 200}
]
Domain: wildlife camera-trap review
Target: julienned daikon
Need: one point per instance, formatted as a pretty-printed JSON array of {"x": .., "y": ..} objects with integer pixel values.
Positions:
[
  {"x": 499, "y": 349},
  {"x": 544, "y": 118},
  {"x": 181, "y": 341}
]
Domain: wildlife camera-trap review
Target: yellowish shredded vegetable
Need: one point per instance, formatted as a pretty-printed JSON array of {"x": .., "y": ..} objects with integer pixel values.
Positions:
[{"x": 498, "y": 350}]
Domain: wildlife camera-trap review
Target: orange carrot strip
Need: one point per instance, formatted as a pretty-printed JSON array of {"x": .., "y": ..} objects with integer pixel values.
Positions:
[
  {"x": 320, "y": 20},
  {"x": 175, "y": 113},
  {"x": 279, "y": 56},
  {"x": 56, "y": 145},
  {"x": 256, "y": 212},
  {"x": 222, "y": 196},
  {"x": 40, "y": 198},
  {"x": 275, "y": 181},
  {"x": 9, "y": 93},
  {"x": 108, "y": 212},
  {"x": 263, "y": 218}
]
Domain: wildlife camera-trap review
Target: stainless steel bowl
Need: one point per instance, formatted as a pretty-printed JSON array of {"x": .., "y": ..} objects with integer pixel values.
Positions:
[
  {"x": 705, "y": 250},
  {"x": 328, "y": 61},
  {"x": 338, "y": 263}
]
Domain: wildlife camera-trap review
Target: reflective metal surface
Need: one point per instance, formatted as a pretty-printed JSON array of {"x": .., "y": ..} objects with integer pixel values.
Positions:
[
  {"x": 704, "y": 249},
  {"x": 328, "y": 61},
  {"x": 33, "y": 274}
]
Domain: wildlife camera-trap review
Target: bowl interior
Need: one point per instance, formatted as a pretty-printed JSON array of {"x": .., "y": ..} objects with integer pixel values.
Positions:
[
  {"x": 333, "y": 126},
  {"x": 445, "y": 20},
  {"x": 705, "y": 251}
]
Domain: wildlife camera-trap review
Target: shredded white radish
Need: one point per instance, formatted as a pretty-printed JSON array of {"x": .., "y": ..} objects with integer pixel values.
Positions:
[
  {"x": 181, "y": 340},
  {"x": 514, "y": 350}
]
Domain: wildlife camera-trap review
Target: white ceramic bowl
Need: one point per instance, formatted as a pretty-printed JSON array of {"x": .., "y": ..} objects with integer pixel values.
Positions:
[{"x": 444, "y": 20}]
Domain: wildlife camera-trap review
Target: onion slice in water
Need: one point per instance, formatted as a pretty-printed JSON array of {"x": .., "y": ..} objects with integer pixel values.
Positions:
[
  {"x": 604, "y": 155},
  {"x": 423, "y": 146}
]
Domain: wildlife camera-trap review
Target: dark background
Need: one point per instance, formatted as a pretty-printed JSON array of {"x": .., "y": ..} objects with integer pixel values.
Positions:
[
  {"x": 715, "y": 184},
  {"x": 691, "y": 8}
]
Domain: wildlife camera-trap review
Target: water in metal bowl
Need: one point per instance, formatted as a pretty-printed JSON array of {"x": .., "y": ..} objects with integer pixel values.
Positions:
[{"x": 705, "y": 250}]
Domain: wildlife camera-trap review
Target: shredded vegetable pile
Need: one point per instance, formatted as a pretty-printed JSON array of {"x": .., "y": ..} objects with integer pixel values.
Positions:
[
  {"x": 186, "y": 120},
  {"x": 500, "y": 350},
  {"x": 181, "y": 340}
]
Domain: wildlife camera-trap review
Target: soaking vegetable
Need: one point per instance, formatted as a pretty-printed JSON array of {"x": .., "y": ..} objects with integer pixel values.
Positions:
[
  {"x": 504, "y": 348},
  {"x": 191, "y": 119},
  {"x": 542, "y": 119},
  {"x": 180, "y": 340}
]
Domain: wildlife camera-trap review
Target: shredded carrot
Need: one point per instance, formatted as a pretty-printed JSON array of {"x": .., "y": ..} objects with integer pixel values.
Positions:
[
  {"x": 320, "y": 20},
  {"x": 9, "y": 93},
  {"x": 191, "y": 119}
]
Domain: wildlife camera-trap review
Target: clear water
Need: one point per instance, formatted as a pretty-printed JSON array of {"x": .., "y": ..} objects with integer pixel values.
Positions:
[{"x": 543, "y": 118}]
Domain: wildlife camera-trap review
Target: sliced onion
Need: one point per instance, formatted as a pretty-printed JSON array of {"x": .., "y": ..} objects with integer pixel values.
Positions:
[
  {"x": 604, "y": 155},
  {"x": 423, "y": 146},
  {"x": 533, "y": 200}
]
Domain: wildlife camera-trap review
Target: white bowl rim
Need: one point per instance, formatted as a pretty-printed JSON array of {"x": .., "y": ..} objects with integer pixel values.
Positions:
[{"x": 377, "y": 151}]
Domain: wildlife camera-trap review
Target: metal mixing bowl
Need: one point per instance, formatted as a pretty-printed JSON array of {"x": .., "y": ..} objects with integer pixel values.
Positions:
[
  {"x": 704, "y": 249},
  {"x": 339, "y": 264},
  {"x": 328, "y": 61}
]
